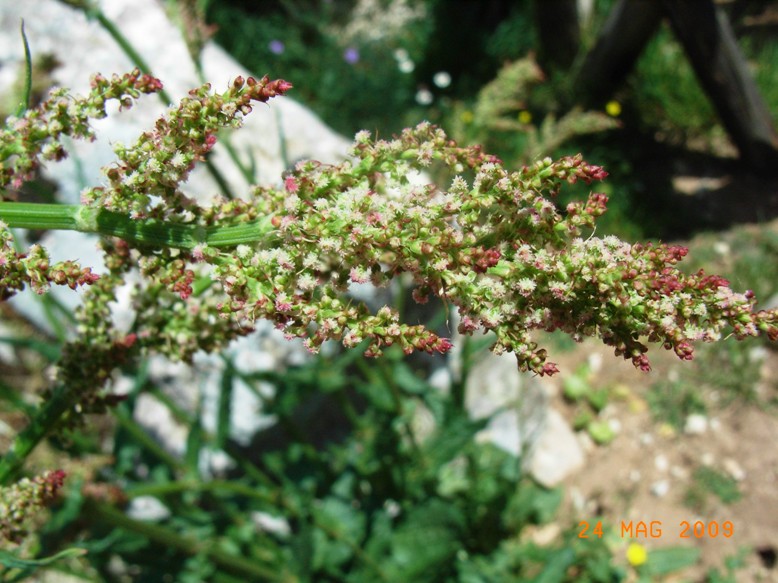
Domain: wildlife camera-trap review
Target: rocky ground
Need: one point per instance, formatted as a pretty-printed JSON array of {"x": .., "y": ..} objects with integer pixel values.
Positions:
[
  {"x": 651, "y": 471},
  {"x": 647, "y": 472}
]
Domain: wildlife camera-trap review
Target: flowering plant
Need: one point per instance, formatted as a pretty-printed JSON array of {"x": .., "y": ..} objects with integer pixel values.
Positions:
[{"x": 491, "y": 242}]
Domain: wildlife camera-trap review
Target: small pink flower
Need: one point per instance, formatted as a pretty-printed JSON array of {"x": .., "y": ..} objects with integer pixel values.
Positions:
[{"x": 291, "y": 184}]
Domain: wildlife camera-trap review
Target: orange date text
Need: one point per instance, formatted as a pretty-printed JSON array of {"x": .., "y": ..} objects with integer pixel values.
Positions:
[{"x": 654, "y": 529}]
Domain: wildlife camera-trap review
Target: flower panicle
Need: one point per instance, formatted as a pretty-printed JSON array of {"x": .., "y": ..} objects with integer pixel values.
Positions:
[
  {"x": 35, "y": 269},
  {"x": 161, "y": 159},
  {"x": 493, "y": 243},
  {"x": 496, "y": 246},
  {"x": 20, "y": 502},
  {"x": 38, "y": 134}
]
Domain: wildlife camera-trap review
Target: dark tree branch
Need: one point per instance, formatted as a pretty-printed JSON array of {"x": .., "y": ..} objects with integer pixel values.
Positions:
[
  {"x": 707, "y": 37},
  {"x": 629, "y": 27},
  {"x": 559, "y": 34}
]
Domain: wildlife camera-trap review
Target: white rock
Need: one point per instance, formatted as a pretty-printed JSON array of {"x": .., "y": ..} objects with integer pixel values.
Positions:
[
  {"x": 594, "y": 360},
  {"x": 504, "y": 432},
  {"x": 147, "y": 508},
  {"x": 722, "y": 248},
  {"x": 441, "y": 380},
  {"x": 556, "y": 454},
  {"x": 734, "y": 469},
  {"x": 7, "y": 353},
  {"x": 661, "y": 463},
  {"x": 6, "y": 430},
  {"x": 546, "y": 534},
  {"x": 696, "y": 424},
  {"x": 646, "y": 439},
  {"x": 585, "y": 441},
  {"x": 522, "y": 422},
  {"x": 578, "y": 499},
  {"x": 494, "y": 383},
  {"x": 269, "y": 523},
  {"x": 660, "y": 488},
  {"x": 214, "y": 462},
  {"x": 159, "y": 422},
  {"x": 392, "y": 508}
]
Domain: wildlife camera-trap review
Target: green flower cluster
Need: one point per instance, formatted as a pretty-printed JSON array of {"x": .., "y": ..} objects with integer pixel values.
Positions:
[
  {"x": 492, "y": 242},
  {"x": 38, "y": 134},
  {"x": 19, "y": 502}
]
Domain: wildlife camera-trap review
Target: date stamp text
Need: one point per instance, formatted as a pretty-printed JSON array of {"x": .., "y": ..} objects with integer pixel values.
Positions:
[{"x": 655, "y": 529}]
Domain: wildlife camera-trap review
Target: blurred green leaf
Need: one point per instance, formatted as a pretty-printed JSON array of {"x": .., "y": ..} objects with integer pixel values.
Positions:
[
  {"x": 601, "y": 432},
  {"x": 224, "y": 410},
  {"x": 47, "y": 349},
  {"x": 407, "y": 380},
  {"x": 425, "y": 543},
  {"x": 555, "y": 566},
  {"x": 665, "y": 561},
  {"x": 575, "y": 386},
  {"x": 598, "y": 398}
]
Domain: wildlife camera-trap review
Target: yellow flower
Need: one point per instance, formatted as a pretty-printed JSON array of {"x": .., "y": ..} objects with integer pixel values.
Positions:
[
  {"x": 636, "y": 554},
  {"x": 466, "y": 116},
  {"x": 525, "y": 117},
  {"x": 613, "y": 108}
]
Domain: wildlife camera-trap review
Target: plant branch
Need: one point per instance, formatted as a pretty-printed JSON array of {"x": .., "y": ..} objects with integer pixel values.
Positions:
[
  {"x": 39, "y": 427},
  {"x": 189, "y": 545}
]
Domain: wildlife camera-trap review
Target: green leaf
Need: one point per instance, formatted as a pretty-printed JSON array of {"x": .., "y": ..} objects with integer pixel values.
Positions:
[
  {"x": 341, "y": 529},
  {"x": 195, "y": 441},
  {"x": 532, "y": 504},
  {"x": 407, "y": 380},
  {"x": 664, "y": 561},
  {"x": 424, "y": 546},
  {"x": 446, "y": 444},
  {"x": 575, "y": 386},
  {"x": 25, "y": 102},
  {"x": 601, "y": 432},
  {"x": 556, "y": 566},
  {"x": 598, "y": 399},
  {"x": 69, "y": 511}
]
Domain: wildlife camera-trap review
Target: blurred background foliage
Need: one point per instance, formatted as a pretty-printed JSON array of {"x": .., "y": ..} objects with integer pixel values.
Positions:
[{"x": 382, "y": 66}]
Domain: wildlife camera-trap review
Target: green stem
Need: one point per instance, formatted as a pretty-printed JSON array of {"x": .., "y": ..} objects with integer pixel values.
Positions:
[
  {"x": 175, "y": 488},
  {"x": 151, "y": 232},
  {"x": 168, "y": 538},
  {"x": 40, "y": 424}
]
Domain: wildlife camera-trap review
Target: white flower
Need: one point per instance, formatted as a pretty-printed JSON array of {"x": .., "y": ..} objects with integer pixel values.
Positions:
[{"x": 526, "y": 286}]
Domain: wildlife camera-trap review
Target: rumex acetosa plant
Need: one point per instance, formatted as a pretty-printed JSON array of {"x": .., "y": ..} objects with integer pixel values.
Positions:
[{"x": 491, "y": 242}]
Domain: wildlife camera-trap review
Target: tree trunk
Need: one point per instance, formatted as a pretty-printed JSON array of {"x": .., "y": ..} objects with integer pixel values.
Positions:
[
  {"x": 629, "y": 27},
  {"x": 707, "y": 37}
]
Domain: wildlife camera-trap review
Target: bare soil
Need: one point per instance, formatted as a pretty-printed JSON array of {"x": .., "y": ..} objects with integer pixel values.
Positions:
[{"x": 645, "y": 475}]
